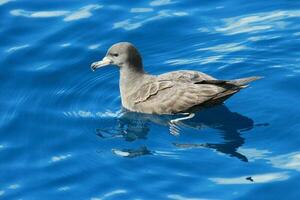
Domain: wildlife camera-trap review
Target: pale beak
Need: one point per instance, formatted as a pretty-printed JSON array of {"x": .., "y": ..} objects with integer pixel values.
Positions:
[{"x": 105, "y": 61}]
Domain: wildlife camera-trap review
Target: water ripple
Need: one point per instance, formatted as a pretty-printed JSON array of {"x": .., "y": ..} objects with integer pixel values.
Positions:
[
  {"x": 257, "y": 22},
  {"x": 84, "y": 12}
]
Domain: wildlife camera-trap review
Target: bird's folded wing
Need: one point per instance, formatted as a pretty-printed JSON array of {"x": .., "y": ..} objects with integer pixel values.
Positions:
[
  {"x": 149, "y": 89},
  {"x": 173, "y": 97}
]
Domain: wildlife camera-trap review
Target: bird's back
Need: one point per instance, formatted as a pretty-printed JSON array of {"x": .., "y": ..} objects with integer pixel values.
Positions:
[{"x": 185, "y": 76}]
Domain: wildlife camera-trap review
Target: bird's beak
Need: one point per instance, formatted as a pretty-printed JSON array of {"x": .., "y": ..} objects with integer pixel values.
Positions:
[{"x": 105, "y": 61}]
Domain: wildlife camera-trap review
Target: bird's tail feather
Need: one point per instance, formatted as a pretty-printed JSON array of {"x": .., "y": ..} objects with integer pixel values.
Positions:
[
  {"x": 235, "y": 84},
  {"x": 243, "y": 81}
]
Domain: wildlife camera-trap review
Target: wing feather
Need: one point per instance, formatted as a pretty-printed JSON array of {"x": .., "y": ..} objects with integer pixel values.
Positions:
[
  {"x": 149, "y": 89},
  {"x": 173, "y": 97}
]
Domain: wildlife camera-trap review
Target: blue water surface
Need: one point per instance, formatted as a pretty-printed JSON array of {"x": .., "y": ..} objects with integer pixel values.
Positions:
[{"x": 64, "y": 134}]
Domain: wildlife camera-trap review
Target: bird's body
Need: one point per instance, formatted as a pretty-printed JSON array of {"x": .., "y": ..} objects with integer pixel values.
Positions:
[{"x": 168, "y": 93}]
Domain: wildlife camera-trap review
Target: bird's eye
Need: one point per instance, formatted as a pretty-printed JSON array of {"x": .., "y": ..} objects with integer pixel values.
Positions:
[{"x": 115, "y": 54}]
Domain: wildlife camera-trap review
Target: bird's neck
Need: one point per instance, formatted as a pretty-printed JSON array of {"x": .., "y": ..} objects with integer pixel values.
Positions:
[
  {"x": 130, "y": 78},
  {"x": 130, "y": 81}
]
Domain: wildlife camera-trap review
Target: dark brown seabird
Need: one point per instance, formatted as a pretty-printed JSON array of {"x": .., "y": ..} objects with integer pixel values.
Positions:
[{"x": 169, "y": 93}]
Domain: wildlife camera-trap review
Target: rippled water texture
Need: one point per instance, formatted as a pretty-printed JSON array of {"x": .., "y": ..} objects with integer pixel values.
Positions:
[{"x": 65, "y": 136}]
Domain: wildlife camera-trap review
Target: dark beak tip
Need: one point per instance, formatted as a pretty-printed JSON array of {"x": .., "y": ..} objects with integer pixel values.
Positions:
[{"x": 93, "y": 67}]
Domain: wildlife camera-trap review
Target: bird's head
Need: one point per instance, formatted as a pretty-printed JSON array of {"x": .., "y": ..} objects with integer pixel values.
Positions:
[{"x": 122, "y": 54}]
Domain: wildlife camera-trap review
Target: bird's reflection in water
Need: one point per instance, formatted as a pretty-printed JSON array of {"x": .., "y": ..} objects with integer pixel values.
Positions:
[
  {"x": 131, "y": 153},
  {"x": 132, "y": 126}
]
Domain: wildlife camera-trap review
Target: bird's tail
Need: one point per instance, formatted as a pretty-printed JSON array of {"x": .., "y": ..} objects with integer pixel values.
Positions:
[
  {"x": 232, "y": 87},
  {"x": 232, "y": 84},
  {"x": 244, "y": 81}
]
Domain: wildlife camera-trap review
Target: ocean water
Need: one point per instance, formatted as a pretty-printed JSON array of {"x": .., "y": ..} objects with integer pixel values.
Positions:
[{"x": 63, "y": 134}]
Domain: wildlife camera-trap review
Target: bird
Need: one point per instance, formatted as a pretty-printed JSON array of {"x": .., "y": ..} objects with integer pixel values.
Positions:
[{"x": 169, "y": 93}]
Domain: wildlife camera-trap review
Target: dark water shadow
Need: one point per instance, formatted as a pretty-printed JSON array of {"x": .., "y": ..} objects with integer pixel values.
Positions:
[{"x": 133, "y": 126}]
